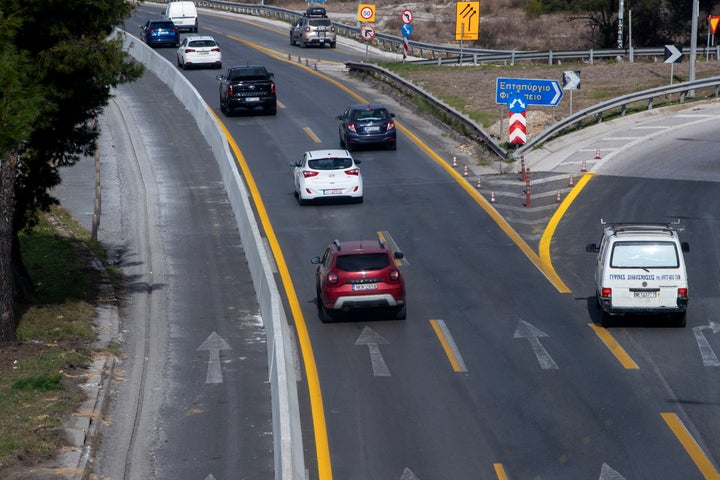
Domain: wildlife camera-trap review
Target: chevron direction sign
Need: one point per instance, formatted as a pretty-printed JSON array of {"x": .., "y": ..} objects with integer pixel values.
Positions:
[
  {"x": 531, "y": 91},
  {"x": 518, "y": 128},
  {"x": 673, "y": 53}
]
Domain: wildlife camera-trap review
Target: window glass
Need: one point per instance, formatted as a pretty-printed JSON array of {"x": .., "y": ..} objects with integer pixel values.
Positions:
[
  {"x": 644, "y": 255},
  {"x": 330, "y": 163},
  {"x": 366, "y": 261}
]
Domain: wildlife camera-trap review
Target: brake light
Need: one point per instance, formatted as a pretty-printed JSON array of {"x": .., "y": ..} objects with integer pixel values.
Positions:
[
  {"x": 216, "y": 49},
  {"x": 332, "y": 278},
  {"x": 351, "y": 127},
  {"x": 230, "y": 89},
  {"x": 606, "y": 292},
  {"x": 189, "y": 50},
  {"x": 174, "y": 30},
  {"x": 682, "y": 293},
  {"x": 309, "y": 173},
  {"x": 394, "y": 275},
  {"x": 272, "y": 87},
  {"x": 353, "y": 171},
  {"x": 307, "y": 29},
  {"x": 332, "y": 29},
  {"x": 390, "y": 125}
]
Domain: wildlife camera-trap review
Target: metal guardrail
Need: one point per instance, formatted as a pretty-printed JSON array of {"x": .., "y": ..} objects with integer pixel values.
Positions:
[{"x": 684, "y": 90}]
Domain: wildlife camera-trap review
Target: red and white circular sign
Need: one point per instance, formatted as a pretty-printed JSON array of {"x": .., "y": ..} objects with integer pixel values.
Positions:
[
  {"x": 366, "y": 13},
  {"x": 367, "y": 32},
  {"x": 407, "y": 16}
]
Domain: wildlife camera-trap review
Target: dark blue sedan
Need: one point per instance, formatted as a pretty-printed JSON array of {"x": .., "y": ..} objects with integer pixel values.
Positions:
[
  {"x": 157, "y": 33},
  {"x": 367, "y": 125}
]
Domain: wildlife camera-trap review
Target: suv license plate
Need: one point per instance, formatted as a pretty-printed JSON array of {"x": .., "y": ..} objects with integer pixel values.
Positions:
[
  {"x": 252, "y": 99},
  {"x": 645, "y": 294},
  {"x": 365, "y": 286}
]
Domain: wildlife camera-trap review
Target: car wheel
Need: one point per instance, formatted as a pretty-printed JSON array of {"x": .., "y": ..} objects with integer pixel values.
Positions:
[
  {"x": 332, "y": 45},
  {"x": 359, "y": 200},
  {"x": 342, "y": 144},
  {"x": 606, "y": 320},
  {"x": 327, "y": 315},
  {"x": 393, "y": 146},
  {"x": 401, "y": 313},
  {"x": 292, "y": 41},
  {"x": 271, "y": 110},
  {"x": 680, "y": 319}
]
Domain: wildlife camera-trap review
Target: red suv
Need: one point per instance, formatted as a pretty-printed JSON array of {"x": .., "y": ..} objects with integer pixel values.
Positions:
[{"x": 357, "y": 275}]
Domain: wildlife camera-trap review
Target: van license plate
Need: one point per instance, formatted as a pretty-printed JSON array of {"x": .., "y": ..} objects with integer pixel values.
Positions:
[
  {"x": 364, "y": 286},
  {"x": 645, "y": 294}
]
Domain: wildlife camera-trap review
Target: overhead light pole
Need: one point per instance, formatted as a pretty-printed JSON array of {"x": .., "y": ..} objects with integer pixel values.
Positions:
[
  {"x": 621, "y": 19},
  {"x": 693, "y": 39}
]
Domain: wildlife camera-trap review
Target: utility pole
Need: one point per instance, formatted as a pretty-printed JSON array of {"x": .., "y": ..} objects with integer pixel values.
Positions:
[
  {"x": 621, "y": 19},
  {"x": 693, "y": 41}
]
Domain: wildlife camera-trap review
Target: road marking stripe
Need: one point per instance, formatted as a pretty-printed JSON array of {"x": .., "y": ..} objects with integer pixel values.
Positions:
[
  {"x": 311, "y": 134},
  {"x": 691, "y": 446},
  {"x": 448, "y": 344},
  {"x": 614, "y": 347},
  {"x": 500, "y": 471}
]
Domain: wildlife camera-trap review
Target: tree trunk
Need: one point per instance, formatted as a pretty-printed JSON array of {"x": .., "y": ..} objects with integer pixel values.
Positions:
[{"x": 8, "y": 170}]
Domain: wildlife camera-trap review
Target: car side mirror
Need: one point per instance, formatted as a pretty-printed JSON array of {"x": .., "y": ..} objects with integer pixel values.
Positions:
[
  {"x": 685, "y": 246},
  {"x": 294, "y": 164},
  {"x": 398, "y": 255},
  {"x": 271, "y": 75},
  {"x": 392, "y": 115},
  {"x": 591, "y": 248},
  {"x": 219, "y": 76},
  {"x": 315, "y": 260},
  {"x": 357, "y": 161},
  {"x": 338, "y": 117}
]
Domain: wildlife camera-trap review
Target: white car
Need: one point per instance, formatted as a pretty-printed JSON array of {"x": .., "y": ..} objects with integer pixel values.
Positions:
[
  {"x": 327, "y": 175},
  {"x": 199, "y": 50}
]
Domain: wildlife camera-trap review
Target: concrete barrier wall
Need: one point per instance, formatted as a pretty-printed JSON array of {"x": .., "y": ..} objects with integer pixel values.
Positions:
[{"x": 287, "y": 435}]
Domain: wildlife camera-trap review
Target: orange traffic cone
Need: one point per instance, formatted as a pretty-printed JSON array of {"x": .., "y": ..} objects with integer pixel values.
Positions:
[
  {"x": 492, "y": 197},
  {"x": 572, "y": 182},
  {"x": 583, "y": 168}
]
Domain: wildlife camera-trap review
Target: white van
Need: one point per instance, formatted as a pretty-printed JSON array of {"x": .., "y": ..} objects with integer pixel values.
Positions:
[
  {"x": 640, "y": 269},
  {"x": 183, "y": 14}
]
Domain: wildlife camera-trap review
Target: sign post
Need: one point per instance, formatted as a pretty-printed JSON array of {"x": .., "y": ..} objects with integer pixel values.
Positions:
[
  {"x": 531, "y": 91},
  {"x": 407, "y": 17},
  {"x": 571, "y": 81}
]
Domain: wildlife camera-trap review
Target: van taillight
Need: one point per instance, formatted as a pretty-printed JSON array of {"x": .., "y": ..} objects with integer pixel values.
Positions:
[
  {"x": 606, "y": 292},
  {"x": 394, "y": 275},
  {"x": 332, "y": 278},
  {"x": 682, "y": 293}
]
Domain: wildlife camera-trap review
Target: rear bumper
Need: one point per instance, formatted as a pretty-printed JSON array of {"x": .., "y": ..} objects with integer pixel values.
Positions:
[
  {"x": 264, "y": 102},
  {"x": 607, "y": 307},
  {"x": 367, "y": 301}
]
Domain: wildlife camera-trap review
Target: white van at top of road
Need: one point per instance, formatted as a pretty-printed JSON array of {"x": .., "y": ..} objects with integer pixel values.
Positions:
[
  {"x": 183, "y": 14},
  {"x": 640, "y": 269}
]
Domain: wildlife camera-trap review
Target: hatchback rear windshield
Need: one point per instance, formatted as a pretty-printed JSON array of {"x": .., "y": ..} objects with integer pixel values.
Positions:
[
  {"x": 365, "y": 261},
  {"x": 202, "y": 43},
  {"x": 644, "y": 255},
  {"x": 162, "y": 25},
  {"x": 369, "y": 115},
  {"x": 330, "y": 163}
]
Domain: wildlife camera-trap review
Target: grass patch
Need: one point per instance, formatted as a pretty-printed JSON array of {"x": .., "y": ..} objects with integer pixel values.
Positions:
[{"x": 40, "y": 375}]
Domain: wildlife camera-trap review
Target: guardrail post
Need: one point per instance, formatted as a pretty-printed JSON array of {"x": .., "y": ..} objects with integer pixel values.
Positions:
[
  {"x": 592, "y": 58},
  {"x": 550, "y": 57}
]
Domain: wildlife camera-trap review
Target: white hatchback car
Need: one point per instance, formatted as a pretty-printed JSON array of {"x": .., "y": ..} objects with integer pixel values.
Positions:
[
  {"x": 199, "y": 50},
  {"x": 327, "y": 175}
]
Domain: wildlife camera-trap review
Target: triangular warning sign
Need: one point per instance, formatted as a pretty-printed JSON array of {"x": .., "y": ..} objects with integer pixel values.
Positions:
[{"x": 713, "y": 23}]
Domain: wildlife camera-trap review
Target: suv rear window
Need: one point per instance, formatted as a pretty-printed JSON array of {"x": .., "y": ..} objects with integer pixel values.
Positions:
[
  {"x": 330, "y": 163},
  {"x": 162, "y": 25},
  {"x": 320, "y": 22},
  {"x": 644, "y": 255},
  {"x": 249, "y": 74},
  {"x": 360, "y": 262}
]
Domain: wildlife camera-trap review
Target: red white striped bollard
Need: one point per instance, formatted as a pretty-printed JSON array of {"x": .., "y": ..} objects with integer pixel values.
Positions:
[
  {"x": 465, "y": 171},
  {"x": 522, "y": 167},
  {"x": 571, "y": 183},
  {"x": 583, "y": 168},
  {"x": 527, "y": 194}
]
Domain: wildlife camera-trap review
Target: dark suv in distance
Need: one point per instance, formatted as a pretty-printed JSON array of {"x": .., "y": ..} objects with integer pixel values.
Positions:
[
  {"x": 367, "y": 125},
  {"x": 359, "y": 274},
  {"x": 158, "y": 33}
]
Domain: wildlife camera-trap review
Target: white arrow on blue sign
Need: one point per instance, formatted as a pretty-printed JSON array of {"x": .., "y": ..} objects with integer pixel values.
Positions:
[
  {"x": 406, "y": 30},
  {"x": 531, "y": 91}
]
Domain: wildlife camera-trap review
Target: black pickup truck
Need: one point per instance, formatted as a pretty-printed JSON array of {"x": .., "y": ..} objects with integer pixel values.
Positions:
[{"x": 245, "y": 88}]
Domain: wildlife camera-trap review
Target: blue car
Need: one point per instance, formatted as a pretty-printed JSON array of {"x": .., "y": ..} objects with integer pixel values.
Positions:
[
  {"x": 157, "y": 33},
  {"x": 367, "y": 125}
]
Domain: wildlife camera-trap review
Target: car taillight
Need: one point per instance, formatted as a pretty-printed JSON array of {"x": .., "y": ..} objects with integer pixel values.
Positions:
[
  {"x": 332, "y": 278},
  {"x": 307, "y": 29},
  {"x": 390, "y": 125},
  {"x": 353, "y": 171},
  {"x": 394, "y": 275},
  {"x": 272, "y": 87},
  {"x": 310, "y": 173},
  {"x": 151, "y": 32},
  {"x": 189, "y": 50},
  {"x": 216, "y": 49},
  {"x": 174, "y": 30},
  {"x": 351, "y": 127},
  {"x": 606, "y": 292},
  {"x": 682, "y": 293},
  {"x": 230, "y": 89},
  {"x": 332, "y": 29}
]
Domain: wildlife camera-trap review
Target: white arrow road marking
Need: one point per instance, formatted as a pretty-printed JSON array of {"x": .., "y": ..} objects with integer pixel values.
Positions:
[
  {"x": 408, "y": 475},
  {"x": 373, "y": 339},
  {"x": 210, "y": 477},
  {"x": 607, "y": 473},
  {"x": 214, "y": 343},
  {"x": 525, "y": 330},
  {"x": 706, "y": 352}
]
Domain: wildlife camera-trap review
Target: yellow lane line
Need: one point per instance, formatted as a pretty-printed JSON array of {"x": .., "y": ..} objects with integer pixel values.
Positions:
[
  {"x": 448, "y": 345},
  {"x": 500, "y": 471},
  {"x": 316, "y": 403},
  {"x": 312, "y": 135},
  {"x": 614, "y": 347},
  {"x": 691, "y": 446}
]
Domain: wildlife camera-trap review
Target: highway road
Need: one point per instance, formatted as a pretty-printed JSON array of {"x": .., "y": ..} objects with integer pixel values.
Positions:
[{"x": 497, "y": 372}]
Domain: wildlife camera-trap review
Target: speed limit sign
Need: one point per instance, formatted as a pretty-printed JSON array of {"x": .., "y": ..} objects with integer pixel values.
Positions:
[
  {"x": 366, "y": 13},
  {"x": 367, "y": 32}
]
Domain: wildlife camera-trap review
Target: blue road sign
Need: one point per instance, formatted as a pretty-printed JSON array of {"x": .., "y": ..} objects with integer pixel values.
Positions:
[
  {"x": 406, "y": 30},
  {"x": 531, "y": 91}
]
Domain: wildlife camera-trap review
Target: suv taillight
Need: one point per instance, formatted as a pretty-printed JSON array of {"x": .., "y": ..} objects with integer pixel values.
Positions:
[
  {"x": 272, "y": 87},
  {"x": 606, "y": 292},
  {"x": 682, "y": 293},
  {"x": 332, "y": 29},
  {"x": 332, "y": 278},
  {"x": 394, "y": 275},
  {"x": 230, "y": 89},
  {"x": 307, "y": 29}
]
